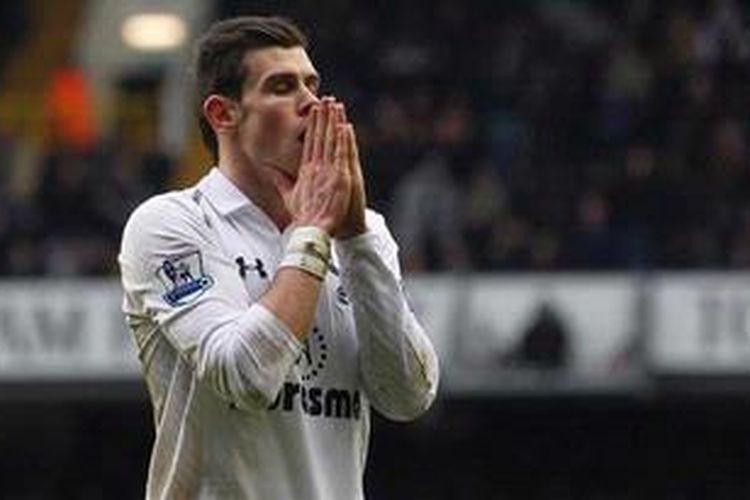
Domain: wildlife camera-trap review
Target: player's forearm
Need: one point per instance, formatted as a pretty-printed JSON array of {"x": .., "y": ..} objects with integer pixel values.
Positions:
[
  {"x": 293, "y": 299},
  {"x": 251, "y": 367},
  {"x": 293, "y": 295},
  {"x": 247, "y": 359},
  {"x": 399, "y": 365}
]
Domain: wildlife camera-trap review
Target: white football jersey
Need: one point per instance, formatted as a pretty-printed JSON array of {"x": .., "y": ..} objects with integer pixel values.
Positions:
[{"x": 242, "y": 408}]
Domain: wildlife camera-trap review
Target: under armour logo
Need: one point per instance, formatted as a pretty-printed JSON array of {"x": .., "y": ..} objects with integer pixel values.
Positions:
[{"x": 244, "y": 267}]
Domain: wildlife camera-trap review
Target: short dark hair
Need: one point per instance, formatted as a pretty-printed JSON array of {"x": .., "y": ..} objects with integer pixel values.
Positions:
[{"x": 219, "y": 54}]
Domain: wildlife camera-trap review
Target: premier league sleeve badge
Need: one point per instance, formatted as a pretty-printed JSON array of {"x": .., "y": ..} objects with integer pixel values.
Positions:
[{"x": 183, "y": 278}]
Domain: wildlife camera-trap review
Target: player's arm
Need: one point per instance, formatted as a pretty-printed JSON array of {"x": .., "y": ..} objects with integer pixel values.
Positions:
[
  {"x": 318, "y": 202},
  {"x": 398, "y": 364}
]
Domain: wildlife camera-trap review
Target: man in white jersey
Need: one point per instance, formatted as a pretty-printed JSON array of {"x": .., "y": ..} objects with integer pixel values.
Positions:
[{"x": 266, "y": 301}]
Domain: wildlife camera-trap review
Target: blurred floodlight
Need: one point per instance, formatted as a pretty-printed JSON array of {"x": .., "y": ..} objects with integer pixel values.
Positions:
[{"x": 154, "y": 32}]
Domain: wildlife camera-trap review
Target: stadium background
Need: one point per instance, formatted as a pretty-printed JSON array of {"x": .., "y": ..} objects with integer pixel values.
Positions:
[{"x": 569, "y": 184}]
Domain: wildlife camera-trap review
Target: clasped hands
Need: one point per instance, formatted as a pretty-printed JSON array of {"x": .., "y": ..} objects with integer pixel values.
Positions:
[{"x": 329, "y": 191}]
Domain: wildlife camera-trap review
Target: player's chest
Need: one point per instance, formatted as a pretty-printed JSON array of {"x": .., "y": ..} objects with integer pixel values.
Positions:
[{"x": 329, "y": 352}]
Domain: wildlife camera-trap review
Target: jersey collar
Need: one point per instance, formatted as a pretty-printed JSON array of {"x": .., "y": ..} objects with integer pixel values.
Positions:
[
  {"x": 224, "y": 195},
  {"x": 228, "y": 199}
]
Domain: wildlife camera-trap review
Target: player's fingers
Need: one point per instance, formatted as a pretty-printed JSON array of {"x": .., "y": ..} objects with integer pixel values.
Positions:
[
  {"x": 329, "y": 145},
  {"x": 344, "y": 118},
  {"x": 337, "y": 125},
  {"x": 342, "y": 150},
  {"x": 317, "y": 134},
  {"x": 340, "y": 114},
  {"x": 353, "y": 151},
  {"x": 307, "y": 144}
]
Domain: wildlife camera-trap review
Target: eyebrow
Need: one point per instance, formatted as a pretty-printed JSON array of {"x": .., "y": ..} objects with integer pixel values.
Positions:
[{"x": 308, "y": 79}]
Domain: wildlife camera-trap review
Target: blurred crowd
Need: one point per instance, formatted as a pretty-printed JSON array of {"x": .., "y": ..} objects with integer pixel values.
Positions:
[
  {"x": 558, "y": 135},
  {"x": 66, "y": 217},
  {"x": 545, "y": 135}
]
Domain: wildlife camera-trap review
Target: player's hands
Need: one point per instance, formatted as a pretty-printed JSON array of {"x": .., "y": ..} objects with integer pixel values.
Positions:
[
  {"x": 322, "y": 192},
  {"x": 354, "y": 222}
]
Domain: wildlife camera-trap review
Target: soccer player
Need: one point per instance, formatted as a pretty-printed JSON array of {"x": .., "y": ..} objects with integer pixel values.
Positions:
[{"x": 266, "y": 300}]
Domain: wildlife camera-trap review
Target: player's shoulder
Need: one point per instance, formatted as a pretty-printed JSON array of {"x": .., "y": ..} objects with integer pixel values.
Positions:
[
  {"x": 172, "y": 207},
  {"x": 174, "y": 214}
]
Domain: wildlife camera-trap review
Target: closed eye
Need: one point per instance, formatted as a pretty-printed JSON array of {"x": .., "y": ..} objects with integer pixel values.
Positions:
[
  {"x": 287, "y": 83},
  {"x": 283, "y": 84}
]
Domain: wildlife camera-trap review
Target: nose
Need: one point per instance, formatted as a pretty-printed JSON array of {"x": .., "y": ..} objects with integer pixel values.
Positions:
[{"x": 309, "y": 98}]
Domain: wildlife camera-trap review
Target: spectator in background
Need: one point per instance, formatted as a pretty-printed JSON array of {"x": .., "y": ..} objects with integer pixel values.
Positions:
[
  {"x": 486, "y": 207},
  {"x": 130, "y": 167},
  {"x": 511, "y": 244},
  {"x": 722, "y": 190},
  {"x": 74, "y": 230},
  {"x": 639, "y": 213},
  {"x": 428, "y": 207},
  {"x": 20, "y": 249},
  {"x": 593, "y": 243},
  {"x": 626, "y": 89},
  {"x": 14, "y": 25},
  {"x": 722, "y": 33},
  {"x": 545, "y": 343},
  {"x": 427, "y": 218},
  {"x": 389, "y": 146},
  {"x": 70, "y": 110}
]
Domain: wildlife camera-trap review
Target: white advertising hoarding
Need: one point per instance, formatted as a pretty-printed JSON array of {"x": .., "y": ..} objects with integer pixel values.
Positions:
[
  {"x": 67, "y": 330},
  {"x": 596, "y": 313},
  {"x": 700, "y": 323},
  {"x": 682, "y": 323},
  {"x": 480, "y": 323},
  {"x": 57, "y": 329}
]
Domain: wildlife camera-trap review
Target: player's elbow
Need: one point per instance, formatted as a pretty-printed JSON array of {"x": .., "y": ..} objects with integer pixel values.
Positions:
[
  {"x": 233, "y": 371},
  {"x": 405, "y": 405}
]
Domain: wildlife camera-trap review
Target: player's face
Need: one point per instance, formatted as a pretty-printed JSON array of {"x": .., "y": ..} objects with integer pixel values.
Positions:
[{"x": 276, "y": 103}]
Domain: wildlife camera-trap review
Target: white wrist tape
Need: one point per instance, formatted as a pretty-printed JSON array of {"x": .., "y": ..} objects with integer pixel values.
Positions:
[
  {"x": 308, "y": 263},
  {"x": 308, "y": 249},
  {"x": 310, "y": 240}
]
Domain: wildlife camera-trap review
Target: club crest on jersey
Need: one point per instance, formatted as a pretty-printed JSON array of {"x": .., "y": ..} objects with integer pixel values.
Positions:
[{"x": 184, "y": 278}]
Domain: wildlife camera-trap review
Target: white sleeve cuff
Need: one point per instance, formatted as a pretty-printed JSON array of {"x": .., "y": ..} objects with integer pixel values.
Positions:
[{"x": 349, "y": 250}]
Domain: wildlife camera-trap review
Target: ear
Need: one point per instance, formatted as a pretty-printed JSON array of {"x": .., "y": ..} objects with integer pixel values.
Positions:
[{"x": 221, "y": 112}]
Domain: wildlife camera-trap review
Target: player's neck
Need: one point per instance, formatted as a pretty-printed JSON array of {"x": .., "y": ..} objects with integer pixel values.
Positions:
[{"x": 259, "y": 189}]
